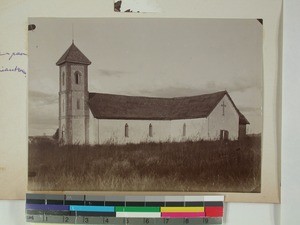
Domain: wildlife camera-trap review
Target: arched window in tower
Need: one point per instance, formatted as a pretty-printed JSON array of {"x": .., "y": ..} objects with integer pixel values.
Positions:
[
  {"x": 63, "y": 105},
  {"x": 77, "y": 77},
  {"x": 126, "y": 130},
  {"x": 78, "y": 104},
  {"x": 184, "y": 130},
  {"x": 63, "y": 78},
  {"x": 150, "y": 130}
]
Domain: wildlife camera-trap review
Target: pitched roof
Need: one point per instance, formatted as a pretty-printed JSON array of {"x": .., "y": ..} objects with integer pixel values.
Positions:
[
  {"x": 242, "y": 118},
  {"x": 74, "y": 55},
  {"x": 108, "y": 106}
]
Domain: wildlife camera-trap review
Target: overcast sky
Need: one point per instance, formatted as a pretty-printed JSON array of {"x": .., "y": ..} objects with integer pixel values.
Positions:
[{"x": 149, "y": 57}]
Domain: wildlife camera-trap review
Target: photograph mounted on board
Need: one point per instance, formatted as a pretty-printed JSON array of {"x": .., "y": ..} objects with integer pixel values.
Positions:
[{"x": 144, "y": 104}]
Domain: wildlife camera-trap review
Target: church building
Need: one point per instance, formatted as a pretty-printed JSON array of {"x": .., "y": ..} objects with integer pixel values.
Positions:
[{"x": 98, "y": 118}]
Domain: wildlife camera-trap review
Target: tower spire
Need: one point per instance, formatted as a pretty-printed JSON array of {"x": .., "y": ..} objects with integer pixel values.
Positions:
[{"x": 73, "y": 88}]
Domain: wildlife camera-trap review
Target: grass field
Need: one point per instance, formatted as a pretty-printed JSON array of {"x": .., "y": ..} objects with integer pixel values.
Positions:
[{"x": 188, "y": 166}]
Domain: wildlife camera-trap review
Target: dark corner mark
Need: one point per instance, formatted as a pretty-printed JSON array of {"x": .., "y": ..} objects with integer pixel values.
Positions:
[
  {"x": 118, "y": 6},
  {"x": 31, "y": 27},
  {"x": 261, "y": 21}
]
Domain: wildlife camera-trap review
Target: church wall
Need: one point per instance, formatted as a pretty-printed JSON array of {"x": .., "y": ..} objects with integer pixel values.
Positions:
[
  {"x": 80, "y": 69},
  {"x": 113, "y": 131},
  {"x": 78, "y": 131},
  {"x": 62, "y": 113},
  {"x": 229, "y": 121},
  {"x": 138, "y": 131},
  {"x": 77, "y": 103},
  {"x": 62, "y": 104},
  {"x": 73, "y": 106},
  {"x": 93, "y": 131},
  {"x": 242, "y": 131},
  {"x": 63, "y": 81},
  {"x": 195, "y": 129},
  {"x": 62, "y": 130}
]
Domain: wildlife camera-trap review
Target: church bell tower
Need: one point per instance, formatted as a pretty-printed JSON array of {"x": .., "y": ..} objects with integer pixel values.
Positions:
[{"x": 73, "y": 97}]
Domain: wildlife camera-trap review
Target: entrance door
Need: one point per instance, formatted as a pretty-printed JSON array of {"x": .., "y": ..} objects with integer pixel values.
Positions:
[{"x": 224, "y": 134}]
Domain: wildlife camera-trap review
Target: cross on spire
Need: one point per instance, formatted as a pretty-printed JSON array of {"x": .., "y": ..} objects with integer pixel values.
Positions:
[{"x": 223, "y": 105}]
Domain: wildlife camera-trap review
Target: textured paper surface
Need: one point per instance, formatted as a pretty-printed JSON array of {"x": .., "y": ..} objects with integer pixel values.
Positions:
[{"x": 13, "y": 92}]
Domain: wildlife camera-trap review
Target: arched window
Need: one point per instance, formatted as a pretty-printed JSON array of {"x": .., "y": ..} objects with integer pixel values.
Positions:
[
  {"x": 78, "y": 103},
  {"x": 126, "y": 130},
  {"x": 63, "y": 78},
  {"x": 63, "y": 105},
  {"x": 184, "y": 130},
  {"x": 150, "y": 130},
  {"x": 77, "y": 77}
]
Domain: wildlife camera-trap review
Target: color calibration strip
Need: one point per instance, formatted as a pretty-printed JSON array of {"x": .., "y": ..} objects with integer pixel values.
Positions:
[{"x": 86, "y": 209}]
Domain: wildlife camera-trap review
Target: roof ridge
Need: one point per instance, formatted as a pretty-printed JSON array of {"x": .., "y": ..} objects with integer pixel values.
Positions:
[
  {"x": 138, "y": 96},
  {"x": 218, "y": 100},
  {"x": 112, "y": 106},
  {"x": 213, "y": 93}
]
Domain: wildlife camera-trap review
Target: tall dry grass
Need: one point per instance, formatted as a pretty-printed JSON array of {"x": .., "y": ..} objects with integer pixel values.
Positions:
[{"x": 187, "y": 166}]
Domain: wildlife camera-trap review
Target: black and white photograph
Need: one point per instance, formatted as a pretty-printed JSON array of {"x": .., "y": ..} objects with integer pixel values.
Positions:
[{"x": 145, "y": 104}]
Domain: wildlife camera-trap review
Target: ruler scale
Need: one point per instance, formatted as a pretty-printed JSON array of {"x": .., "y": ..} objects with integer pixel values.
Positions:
[{"x": 119, "y": 210}]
